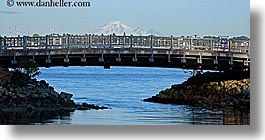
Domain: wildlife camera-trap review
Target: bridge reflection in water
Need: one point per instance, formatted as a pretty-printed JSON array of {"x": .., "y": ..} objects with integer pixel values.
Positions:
[{"x": 111, "y": 50}]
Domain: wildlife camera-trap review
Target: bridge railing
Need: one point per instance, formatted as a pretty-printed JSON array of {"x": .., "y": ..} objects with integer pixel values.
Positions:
[{"x": 113, "y": 41}]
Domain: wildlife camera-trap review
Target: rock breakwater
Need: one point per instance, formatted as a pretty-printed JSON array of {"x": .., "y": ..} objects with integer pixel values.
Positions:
[
  {"x": 211, "y": 90},
  {"x": 19, "y": 92}
]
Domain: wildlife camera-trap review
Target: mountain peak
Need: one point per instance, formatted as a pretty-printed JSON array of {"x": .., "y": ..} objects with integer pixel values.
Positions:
[
  {"x": 119, "y": 28},
  {"x": 115, "y": 22}
]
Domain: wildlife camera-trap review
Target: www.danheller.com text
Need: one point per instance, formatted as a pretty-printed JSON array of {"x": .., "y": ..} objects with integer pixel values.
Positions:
[{"x": 49, "y": 3}]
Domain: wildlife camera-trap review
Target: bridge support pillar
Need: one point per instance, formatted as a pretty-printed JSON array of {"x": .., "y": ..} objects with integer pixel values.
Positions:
[
  {"x": 83, "y": 59},
  {"x": 183, "y": 59},
  {"x": 14, "y": 61},
  {"x": 169, "y": 56},
  {"x": 231, "y": 61},
  {"x": 247, "y": 63},
  {"x": 118, "y": 59},
  {"x": 199, "y": 60},
  {"x": 135, "y": 57},
  {"x": 215, "y": 61},
  {"x": 101, "y": 59},
  {"x": 48, "y": 60},
  {"x": 33, "y": 58},
  {"x": 66, "y": 59},
  {"x": 151, "y": 59}
]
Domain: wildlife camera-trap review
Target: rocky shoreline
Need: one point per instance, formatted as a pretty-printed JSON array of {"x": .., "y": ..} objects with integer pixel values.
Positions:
[
  {"x": 21, "y": 93},
  {"x": 212, "y": 90}
]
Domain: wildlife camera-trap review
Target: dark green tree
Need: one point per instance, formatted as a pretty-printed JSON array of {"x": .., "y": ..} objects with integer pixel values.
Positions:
[{"x": 29, "y": 68}]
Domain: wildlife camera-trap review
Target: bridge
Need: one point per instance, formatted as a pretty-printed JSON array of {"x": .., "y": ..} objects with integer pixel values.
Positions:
[{"x": 111, "y": 50}]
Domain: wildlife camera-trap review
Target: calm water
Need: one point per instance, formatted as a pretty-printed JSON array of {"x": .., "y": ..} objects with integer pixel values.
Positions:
[{"x": 123, "y": 89}]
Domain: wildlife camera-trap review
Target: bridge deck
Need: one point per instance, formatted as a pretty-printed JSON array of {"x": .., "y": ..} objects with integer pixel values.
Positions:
[{"x": 191, "y": 53}]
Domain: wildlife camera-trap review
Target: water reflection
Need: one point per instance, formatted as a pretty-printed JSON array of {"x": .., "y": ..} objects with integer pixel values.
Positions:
[
  {"x": 40, "y": 117},
  {"x": 196, "y": 116},
  {"x": 236, "y": 117},
  {"x": 224, "y": 117}
]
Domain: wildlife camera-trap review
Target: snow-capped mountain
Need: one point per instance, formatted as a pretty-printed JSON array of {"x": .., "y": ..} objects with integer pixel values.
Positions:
[{"x": 120, "y": 28}]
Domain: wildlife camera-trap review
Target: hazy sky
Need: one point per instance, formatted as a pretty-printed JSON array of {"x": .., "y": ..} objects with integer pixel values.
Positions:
[{"x": 177, "y": 17}]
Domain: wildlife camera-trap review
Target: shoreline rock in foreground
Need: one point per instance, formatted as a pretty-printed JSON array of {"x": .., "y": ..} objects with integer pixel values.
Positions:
[
  {"x": 212, "y": 90},
  {"x": 20, "y": 93}
]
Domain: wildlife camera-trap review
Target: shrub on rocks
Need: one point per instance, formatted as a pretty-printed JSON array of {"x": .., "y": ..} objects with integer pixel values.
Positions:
[{"x": 29, "y": 68}]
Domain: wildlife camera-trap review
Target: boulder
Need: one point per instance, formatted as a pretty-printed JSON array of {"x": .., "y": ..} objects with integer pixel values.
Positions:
[
  {"x": 43, "y": 83},
  {"x": 69, "y": 104},
  {"x": 54, "y": 93},
  {"x": 66, "y": 96},
  {"x": 80, "y": 107},
  {"x": 85, "y": 104},
  {"x": 2, "y": 91},
  {"x": 5, "y": 75},
  {"x": 4, "y": 98},
  {"x": 3, "y": 82},
  {"x": 45, "y": 95},
  {"x": 35, "y": 96},
  {"x": 21, "y": 96},
  {"x": 30, "y": 86}
]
